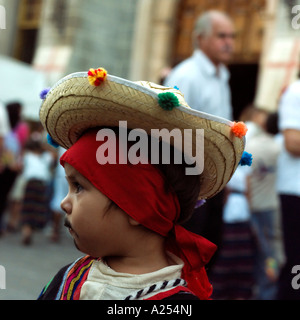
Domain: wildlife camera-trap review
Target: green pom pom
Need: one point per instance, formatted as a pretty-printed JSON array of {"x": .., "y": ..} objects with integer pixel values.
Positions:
[{"x": 168, "y": 100}]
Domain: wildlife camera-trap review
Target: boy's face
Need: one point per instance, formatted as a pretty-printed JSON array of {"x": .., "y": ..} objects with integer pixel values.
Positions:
[{"x": 95, "y": 222}]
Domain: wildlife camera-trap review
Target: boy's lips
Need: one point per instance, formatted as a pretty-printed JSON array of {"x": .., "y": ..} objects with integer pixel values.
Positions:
[{"x": 67, "y": 224}]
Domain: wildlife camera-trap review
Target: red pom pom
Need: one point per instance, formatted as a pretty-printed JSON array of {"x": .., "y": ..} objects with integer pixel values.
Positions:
[{"x": 239, "y": 129}]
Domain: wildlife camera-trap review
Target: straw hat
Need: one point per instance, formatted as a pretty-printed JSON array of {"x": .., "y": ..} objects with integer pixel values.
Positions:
[{"x": 84, "y": 100}]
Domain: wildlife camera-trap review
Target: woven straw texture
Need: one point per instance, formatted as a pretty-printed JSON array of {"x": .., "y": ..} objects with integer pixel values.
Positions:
[{"x": 73, "y": 106}]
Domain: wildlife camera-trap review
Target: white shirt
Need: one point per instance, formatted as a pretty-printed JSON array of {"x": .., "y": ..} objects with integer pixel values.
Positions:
[
  {"x": 103, "y": 283},
  {"x": 37, "y": 166},
  {"x": 288, "y": 181},
  {"x": 204, "y": 90},
  {"x": 236, "y": 208},
  {"x": 265, "y": 151}
]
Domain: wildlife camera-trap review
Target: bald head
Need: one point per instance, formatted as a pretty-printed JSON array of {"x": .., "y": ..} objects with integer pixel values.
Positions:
[{"x": 214, "y": 34}]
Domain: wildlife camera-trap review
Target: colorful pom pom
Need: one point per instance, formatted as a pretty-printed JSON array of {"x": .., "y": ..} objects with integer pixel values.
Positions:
[
  {"x": 44, "y": 93},
  {"x": 200, "y": 203},
  {"x": 246, "y": 159},
  {"x": 239, "y": 129},
  {"x": 52, "y": 142},
  {"x": 97, "y": 76},
  {"x": 168, "y": 100}
]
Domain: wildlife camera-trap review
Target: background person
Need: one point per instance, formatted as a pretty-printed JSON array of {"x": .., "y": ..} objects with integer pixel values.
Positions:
[
  {"x": 60, "y": 189},
  {"x": 264, "y": 200},
  {"x": 203, "y": 78},
  {"x": 288, "y": 184},
  {"x": 232, "y": 275},
  {"x": 10, "y": 157},
  {"x": 15, "y": 198},
  {"x": 37, "y": 174}
]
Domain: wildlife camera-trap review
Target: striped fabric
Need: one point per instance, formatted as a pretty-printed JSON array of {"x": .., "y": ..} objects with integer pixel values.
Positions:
[
  {"x": 232, "y": 275},
  {"x": 157, "y": 287},
  {"x": 35, "y": 204},
  {"x": 74, "y": 278},
  {"x": 67, "y": 284}
]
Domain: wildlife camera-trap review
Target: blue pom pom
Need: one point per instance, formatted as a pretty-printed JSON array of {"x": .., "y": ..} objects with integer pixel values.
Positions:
[
  {"x": 176, "y": 88},
  {"x": 44, "y": 93},
  {"x": 52, "y": 142},
  {"x": 246, "y": 159}
]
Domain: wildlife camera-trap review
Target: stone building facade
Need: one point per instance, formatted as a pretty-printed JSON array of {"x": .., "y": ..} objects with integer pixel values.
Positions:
[{"x": 79, "y": 35}]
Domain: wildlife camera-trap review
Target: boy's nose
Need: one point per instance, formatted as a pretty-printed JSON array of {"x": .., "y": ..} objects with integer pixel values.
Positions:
[{"x": 66, "y": 205}]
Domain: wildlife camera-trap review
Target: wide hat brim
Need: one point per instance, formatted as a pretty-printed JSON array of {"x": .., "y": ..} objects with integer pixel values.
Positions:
[{"x": 73, "y": 106}]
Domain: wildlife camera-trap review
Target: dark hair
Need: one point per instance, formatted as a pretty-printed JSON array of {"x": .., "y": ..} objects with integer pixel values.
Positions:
[
  {"x": 34, "y": 145},
  {"x": 186, "y": 187},
  {"x": 14, "y": 113},
  {"x": 272, "y": 123}
]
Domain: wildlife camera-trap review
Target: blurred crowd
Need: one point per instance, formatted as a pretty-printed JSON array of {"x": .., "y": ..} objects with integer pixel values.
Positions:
[
  {"x": 28, "y": 176},
  {"x": 256, "y": 252}
]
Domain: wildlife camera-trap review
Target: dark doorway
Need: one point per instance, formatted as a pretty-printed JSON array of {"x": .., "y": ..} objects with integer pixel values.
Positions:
[{"x": 243, "y": 84}]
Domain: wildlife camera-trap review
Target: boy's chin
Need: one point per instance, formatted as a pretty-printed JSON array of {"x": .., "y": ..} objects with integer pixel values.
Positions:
[{"x": 82, "y": 250}]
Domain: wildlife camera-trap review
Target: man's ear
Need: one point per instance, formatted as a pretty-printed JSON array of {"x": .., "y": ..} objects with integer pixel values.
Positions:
[
  {"x": 199, "y": 40},
  {"x": 133, "y": 222}
]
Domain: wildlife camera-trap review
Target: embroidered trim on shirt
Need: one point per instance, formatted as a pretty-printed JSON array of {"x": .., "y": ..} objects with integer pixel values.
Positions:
[
  {"x": 156, "y": 287},
  {"x": 60, "y": 289},
  {"x": 73, "y": 279}
]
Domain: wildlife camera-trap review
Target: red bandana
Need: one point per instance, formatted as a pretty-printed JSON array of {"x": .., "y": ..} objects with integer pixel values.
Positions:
[{"x": 140, "y": 191}]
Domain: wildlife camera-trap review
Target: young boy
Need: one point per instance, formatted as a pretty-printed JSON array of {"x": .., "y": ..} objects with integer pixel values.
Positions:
[{"x": 126, "y": 202}]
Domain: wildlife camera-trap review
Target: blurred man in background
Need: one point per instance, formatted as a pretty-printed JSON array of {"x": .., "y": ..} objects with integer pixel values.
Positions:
[{"x": 203, "y": 78}]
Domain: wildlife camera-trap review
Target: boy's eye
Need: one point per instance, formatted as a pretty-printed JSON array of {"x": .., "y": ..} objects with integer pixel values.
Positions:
[{"x": 77, "y": 187}]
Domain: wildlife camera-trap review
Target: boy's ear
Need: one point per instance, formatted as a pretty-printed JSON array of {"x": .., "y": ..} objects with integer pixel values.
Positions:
[{"x": 133, "y": 222}]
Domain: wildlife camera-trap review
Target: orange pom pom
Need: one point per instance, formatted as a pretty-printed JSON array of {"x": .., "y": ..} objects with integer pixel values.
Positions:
[
  {"x": 239, "y": 129},
  {"x": 97, "y": 77}
]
